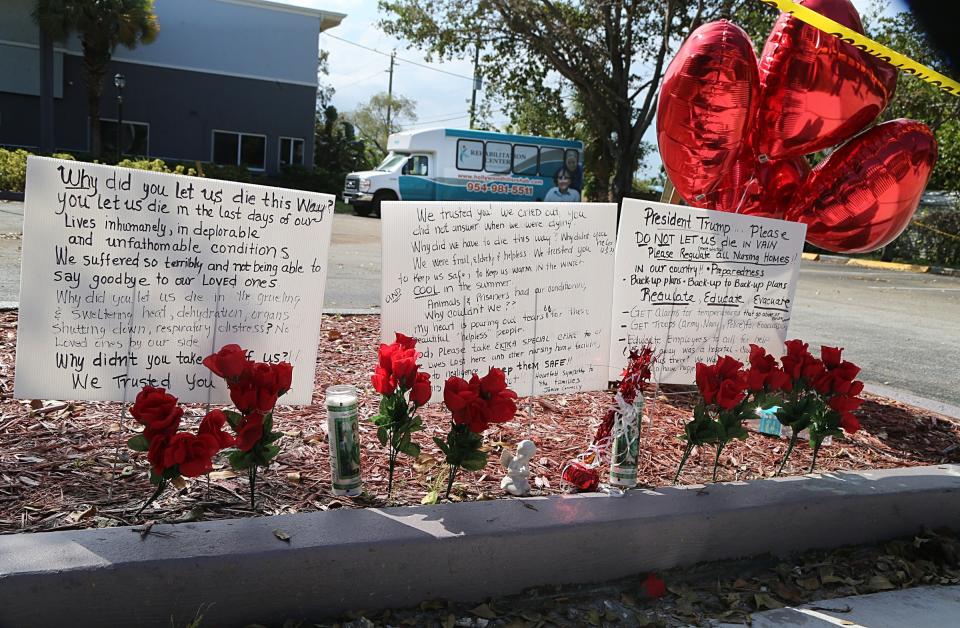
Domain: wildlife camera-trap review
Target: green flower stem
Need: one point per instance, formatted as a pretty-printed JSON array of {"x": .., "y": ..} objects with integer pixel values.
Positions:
[
  {"x": 392, "y": 461},
  {"x": 253, "y": 486},
  {"x": 793, "y": 441},
  {"x": 453, "y": 473},
  {"x": 162, "y": 485},
  {"x": 683, "y": 461},
  {"x": 716, "y": 461},
  {"x": 816, "y": 450}
]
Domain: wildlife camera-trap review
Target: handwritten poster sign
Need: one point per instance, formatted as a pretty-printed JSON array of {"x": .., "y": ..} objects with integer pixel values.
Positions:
[
  {"x": 525, "y": 287},
  {"x": 698, "y": 283},
  {"x": 131, "y": 278}
]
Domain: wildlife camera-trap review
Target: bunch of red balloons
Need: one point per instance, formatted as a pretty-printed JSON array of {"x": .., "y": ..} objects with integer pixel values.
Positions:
[{"x": 733, "y": 133}]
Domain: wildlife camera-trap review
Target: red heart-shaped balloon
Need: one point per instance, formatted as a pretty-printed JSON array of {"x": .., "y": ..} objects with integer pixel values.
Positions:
[
  {"x": 707, "y": 101},
  {"x": 816, "y": 91},
  {"x": 757, "y": 188},
  {"x": 863, "y": 195}
]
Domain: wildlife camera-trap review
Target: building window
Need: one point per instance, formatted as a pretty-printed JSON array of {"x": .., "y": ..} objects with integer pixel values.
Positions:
[
  {"x": 240, "y": 149},
  {"x": 134, "y": 137},
  {"x": 291, "y": 151}
]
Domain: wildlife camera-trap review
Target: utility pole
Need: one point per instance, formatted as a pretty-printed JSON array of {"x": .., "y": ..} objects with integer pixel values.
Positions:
[
  {"x": 476, "y": 83},
  {"x": 390, "y": 95}
]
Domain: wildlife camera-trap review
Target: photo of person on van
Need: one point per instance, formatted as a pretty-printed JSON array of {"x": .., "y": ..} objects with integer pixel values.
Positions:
[
  {"x": 562, "y": 191},
  {"x": 571, "y": 159}
]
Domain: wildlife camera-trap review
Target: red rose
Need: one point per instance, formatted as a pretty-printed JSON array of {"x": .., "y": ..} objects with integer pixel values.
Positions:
[
  {"x": 212, "y": 424},
  {"x": 849, "y": 423},
  {"x": 155, "y": 454},
  {"x": 244, "y": 396},
  {"x": 264, "y": 380},
  {"x": 385, "y": 356},
  {"x": 796, "y": 358},
  {"x": 653, "y": 586},
  {"x": 728, "y": 367},
  {"x": 405, "y": 342},
  {"x": 730, "y": 394},
  {"x": 464, "y": 403},
  {"x": 421, "y": 390},
  {"x": 250, "y": 432},
  {"x": 501, "y": 406},
  {"x": 830, "y": 356},
  {"x": 404, "y": 367},
  {"x": 230, "y": 362},
  {"x": 764, "y": 372},
  {"x": 157, "y": 411},
  {"x": 283, "y": 371},
  {"x": 844, "y": 406},
  {"x": 481, "y": 401},
  {"x": 707, "y": 382},
  {"x": 383, "y": 382},
  {"x": 193, "y": 453}
]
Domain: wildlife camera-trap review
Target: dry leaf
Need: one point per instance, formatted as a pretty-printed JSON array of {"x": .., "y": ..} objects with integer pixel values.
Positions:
[
  {"x": 179, "y": 483},
  {"x": 483, "y": 611},
  {"x": 293, "y": 477},
  {"x": 765, "y": 602},
  {"x": 36, "y": 404},
  {"x": 114, "y": 428},
  {"x": 226, "y": 474},
  {"x": 283, "y": 536},
  {"x": 333, "y": 334}
]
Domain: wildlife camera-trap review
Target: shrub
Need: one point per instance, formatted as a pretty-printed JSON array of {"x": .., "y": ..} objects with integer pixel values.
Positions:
[
  {"x": 933, "y": 237},
  {"x": 13, "y": 168},
  {"x": 156, "y": 165}
]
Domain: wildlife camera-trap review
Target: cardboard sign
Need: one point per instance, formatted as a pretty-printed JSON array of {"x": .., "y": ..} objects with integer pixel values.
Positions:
[
  {"x": 698, "y": 283},
  {"x": 525, "y": 287},
  {"x": 132, "y": 278}
]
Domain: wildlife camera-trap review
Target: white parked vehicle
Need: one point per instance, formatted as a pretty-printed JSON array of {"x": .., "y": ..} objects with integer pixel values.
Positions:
[{"x": 464, "y": 165}]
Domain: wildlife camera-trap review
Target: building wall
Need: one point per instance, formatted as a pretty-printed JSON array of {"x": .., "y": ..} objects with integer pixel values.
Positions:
[{"x": 216, "y": 64}]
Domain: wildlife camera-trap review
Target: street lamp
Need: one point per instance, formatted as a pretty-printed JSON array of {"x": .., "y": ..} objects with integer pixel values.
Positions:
[{"x": 119, "y": 82}]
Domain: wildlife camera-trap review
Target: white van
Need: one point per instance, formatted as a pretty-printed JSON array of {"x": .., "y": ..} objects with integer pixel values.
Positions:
[{"x": 464, "y": 165}]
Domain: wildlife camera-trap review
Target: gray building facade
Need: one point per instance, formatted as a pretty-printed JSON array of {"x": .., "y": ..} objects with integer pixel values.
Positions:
[{"x": 232, "y": 82}]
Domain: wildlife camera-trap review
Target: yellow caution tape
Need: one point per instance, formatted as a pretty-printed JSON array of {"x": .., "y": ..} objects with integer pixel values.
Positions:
[
  {"x": 903, "y": 63},
  {"x": 937, "y": 231}
]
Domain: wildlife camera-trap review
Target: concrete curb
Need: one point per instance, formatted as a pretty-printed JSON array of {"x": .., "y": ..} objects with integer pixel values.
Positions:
[
  {"x": 868, "y": 263},
  {"x": 239, "y": 572}
]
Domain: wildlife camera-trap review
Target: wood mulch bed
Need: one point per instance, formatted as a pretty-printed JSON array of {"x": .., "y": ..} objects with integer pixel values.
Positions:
[{"x": 64, "y": 465}]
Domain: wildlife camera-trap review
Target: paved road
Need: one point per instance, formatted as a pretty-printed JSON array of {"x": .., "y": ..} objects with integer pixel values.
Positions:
[{"x": 902, "y": 328}]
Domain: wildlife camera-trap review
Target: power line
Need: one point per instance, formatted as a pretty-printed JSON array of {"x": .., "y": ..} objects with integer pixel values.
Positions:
[
  {"x": 387, "y": 54},
  {"x": 352, "y": 83}
]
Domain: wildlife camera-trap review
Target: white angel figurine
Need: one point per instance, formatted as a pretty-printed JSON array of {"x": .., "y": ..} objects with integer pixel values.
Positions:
[{"x": 515, "y": 481}]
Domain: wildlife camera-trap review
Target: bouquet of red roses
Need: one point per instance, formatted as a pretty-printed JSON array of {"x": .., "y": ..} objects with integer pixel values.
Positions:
[
  {"x": 819, "y": 396},
  {"x": 729, "y": 395},
  {"x": 404, "y": 389},
  {"x": 254, "y": 389},
  {"x": 474, "y": 405},
  {"x": 173, "y": 453}
]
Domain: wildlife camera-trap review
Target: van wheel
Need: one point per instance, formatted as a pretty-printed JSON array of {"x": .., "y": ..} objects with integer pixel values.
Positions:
[{"x": 379, "y": 197}]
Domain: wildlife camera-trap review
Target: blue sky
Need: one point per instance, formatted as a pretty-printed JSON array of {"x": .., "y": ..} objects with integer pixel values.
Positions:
[{"x": 441, "y": 91}]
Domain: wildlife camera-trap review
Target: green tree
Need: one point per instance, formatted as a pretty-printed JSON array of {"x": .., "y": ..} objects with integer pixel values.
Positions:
[
  {"x": 918, "y": 100},
  {"x": 370, "y": 120},
  {"x": 611, "y": 54},
  {"x": 337, "y": 150},
  {"x": 102, "y": 25}
]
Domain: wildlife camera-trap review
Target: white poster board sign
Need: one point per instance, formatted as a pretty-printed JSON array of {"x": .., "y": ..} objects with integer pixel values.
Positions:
[
  {"x": 524, "y": 287},
  {"x": 131, "y": 278},
  {"x": 697, "y": 283}
]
